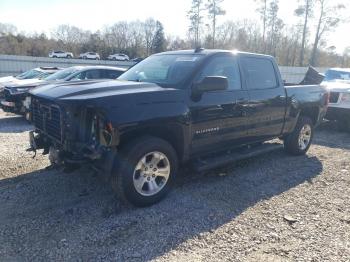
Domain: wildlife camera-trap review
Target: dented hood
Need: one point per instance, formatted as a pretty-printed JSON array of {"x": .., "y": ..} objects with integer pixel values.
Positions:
[{"x": 97, "y": 90}]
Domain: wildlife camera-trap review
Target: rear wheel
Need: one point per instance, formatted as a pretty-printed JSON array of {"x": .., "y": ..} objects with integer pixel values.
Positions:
[
  {"x": 299, "y": 141},
  {"x": 145, "y": 171}
]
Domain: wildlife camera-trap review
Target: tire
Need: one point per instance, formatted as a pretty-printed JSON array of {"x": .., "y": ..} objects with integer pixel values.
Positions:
[
  {"x": 54, "y": 56},
  {"x": 114, "y": 59},
  {"x": 84, "y": 57},
  {"x": 134, "y": 181},
  {"x": 293, "y": 143},
  {"x": 69, "y": 56}
]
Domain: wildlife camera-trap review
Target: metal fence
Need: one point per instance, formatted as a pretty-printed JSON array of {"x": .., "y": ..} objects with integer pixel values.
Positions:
[{"x": 14, "y": 65}]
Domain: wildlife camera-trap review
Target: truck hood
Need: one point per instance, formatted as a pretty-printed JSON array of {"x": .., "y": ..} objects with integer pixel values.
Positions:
[
  {"x": 95, "y": 90},
  {"x": 25, "y": 83},
  {"x": 337, "y": 86},
  {"x": 6, "y": 79}
]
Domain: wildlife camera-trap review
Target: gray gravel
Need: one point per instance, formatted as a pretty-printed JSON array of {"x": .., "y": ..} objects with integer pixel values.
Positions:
[{"x": 271, "y": 208}]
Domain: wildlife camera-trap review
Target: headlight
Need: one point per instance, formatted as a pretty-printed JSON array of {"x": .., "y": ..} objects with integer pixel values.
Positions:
[
  {"x": 345, "y": 98},
  {"x": 15, "y": 91}
]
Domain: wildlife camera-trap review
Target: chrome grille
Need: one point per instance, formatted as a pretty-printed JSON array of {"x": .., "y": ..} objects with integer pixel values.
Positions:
[{"x": 47, "y": 118}]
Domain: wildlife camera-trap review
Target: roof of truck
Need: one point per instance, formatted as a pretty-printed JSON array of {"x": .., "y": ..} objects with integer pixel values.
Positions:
[{"x": 211, "y": 52}]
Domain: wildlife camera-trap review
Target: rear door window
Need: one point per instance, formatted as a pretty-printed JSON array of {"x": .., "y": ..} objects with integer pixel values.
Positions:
[{"x": 260, "y": 73}]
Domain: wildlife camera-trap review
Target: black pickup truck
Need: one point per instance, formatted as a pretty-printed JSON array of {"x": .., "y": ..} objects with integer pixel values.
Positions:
[{"x": 206, "y": 108}]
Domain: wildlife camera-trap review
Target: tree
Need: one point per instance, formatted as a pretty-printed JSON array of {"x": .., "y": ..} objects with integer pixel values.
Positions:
[
  {"x": 214, "y": 10},
  {"x": 329, "y": 19},
  {"x": 262, "y": 10},
  {"x": 196, "y": 18},
  {"x": 150, "y": 28},
  {"x": 7, "y": 29},
  {"x": 275, "y": 26},
  {"x": 304, "y": 10},
  {"x": 159, "y": 42}
]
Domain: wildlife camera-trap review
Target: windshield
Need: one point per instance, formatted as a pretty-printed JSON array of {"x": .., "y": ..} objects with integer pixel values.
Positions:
[
  {"x": 62, "y": 74},
  {"x": 29, "y": 74},
  {"x": 332, "y": 75},
  {"x": 168, "y": 70}
]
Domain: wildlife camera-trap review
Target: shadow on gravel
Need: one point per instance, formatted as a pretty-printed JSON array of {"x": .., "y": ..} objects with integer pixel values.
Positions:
[
  {"x": 14, "y": 124},
  {"x": 328, "y": 135},
  {"x": 76, "y": 216}
]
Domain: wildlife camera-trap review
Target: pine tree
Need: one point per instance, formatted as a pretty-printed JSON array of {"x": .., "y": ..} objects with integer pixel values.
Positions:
[
  {"x": 196, "y": 18},
  {"x": 159, "y": 42},
  {"x": 215, "y": 10}
]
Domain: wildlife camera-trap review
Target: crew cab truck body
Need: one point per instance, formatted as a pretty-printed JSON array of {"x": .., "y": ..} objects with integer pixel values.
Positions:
[{"x": 170, "y": 109}]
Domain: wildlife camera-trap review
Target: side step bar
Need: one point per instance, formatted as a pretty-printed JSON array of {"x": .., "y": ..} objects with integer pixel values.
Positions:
[{"x": 205, "y": 164}]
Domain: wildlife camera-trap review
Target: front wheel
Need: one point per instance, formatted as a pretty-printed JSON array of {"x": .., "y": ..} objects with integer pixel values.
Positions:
[
  {"x": 145, "y": 171},
  {"x": 299, "y": 141}
]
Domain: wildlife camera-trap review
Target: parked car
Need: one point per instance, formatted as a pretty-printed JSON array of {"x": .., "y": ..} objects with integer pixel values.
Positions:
[
  {"x": 337, "y": 81},
  {"x": 61, "y": 54},
  {"x": 118, "y": 57},
  {"x": 206, "y": 108},
  {"x": 90, "y": 55},
  {"x": 36, "y": 73},
  {"x": 17, "y": 100}
]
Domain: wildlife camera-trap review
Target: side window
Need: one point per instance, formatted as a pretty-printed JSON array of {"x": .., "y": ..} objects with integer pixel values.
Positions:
[
  {"x": 260, "y": 73},
  {"x": 79, "y": 76},
  {"x": 226, "y": 66},
  {"x": 111, "y": 74},
  {"x": 93, "y": 74}
]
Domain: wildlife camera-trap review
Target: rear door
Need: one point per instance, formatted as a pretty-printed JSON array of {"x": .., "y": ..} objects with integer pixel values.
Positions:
[
  {"x": 267, "y": 106},
  {"x": 218, "y": 118}
]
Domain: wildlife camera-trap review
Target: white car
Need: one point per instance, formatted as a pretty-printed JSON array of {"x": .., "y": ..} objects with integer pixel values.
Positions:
[
  {"x": 90, "y": 55},
  {"x": 118, "y": 57},
  {"x": 36, "y": 73},
  {"x": 337, "y": 81},
  {"x": 60, "y": 54}
]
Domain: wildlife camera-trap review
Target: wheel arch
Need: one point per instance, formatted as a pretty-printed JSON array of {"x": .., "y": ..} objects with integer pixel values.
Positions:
[
  {"x": 312, "y": 112},
  {"x": 173, "y": 134}
]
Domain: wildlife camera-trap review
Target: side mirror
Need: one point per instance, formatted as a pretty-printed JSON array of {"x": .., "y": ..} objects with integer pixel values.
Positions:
[{"x": 211, "y": 83}]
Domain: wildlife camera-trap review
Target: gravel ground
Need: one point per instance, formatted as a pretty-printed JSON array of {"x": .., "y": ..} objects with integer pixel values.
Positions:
[{"x": 270, "y": 208}]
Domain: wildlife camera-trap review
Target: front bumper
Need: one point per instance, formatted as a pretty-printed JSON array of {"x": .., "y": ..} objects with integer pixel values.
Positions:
[
  {"x": 9, "y": 107},
  {"x": 337, "y": 113}
]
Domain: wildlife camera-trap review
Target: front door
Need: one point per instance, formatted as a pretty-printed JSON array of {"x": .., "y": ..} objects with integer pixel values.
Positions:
[{"x": 218, "y": 118}]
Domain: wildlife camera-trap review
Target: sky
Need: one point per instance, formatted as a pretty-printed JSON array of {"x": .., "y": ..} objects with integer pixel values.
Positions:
[{"x": 43, "y": 15}]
